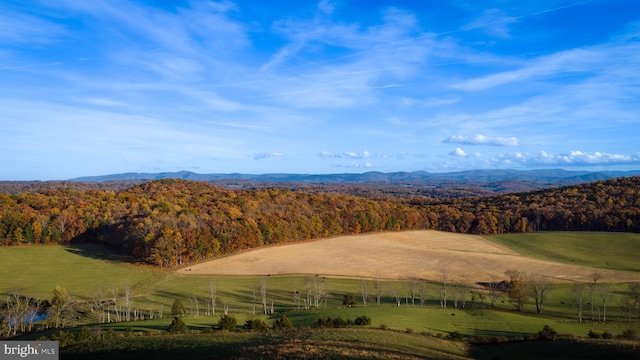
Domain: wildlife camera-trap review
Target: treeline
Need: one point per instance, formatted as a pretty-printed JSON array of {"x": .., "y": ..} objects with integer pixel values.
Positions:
[{"x": 173, "y": 222}]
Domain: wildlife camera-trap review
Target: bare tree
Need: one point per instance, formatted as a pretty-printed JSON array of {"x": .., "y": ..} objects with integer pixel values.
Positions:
[
  {"x": 213, "y": 295},
  {"x": 444, "y": 278},
  {"x": 116, "y": 306},
  {"x": 422, "y": 289},
  {"x": 364, "y": 291},
  {"x": 319, "y": 291},
  {"x": 539, "y": 290},
  {"x": 377, "y": 289},
  {"x": 195, "y": 310},
  {"x": 494, "y": 293},
  {"x": 18, "y": 308},
  {"x": 36, "y": 305},
  {"x": 595, "y": 276},
  {"x": 578, "y": 292},
  {"x": 413, "y": 289},
  {"x": 296, "y": 297},
  {"x": 603, "y": 290},
  {"x": 396, "y": 294},
  {"x": 460, "y": 291},
  {"x": 262, "y": 286},
  {"x": 128, "y": 297},
  {"x": 100, "y": 306}
]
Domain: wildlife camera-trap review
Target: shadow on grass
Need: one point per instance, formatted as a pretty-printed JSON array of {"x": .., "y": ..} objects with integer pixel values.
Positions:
[
  {"x": 560, "y": 349},
  {"x": 99, "y": 252}
]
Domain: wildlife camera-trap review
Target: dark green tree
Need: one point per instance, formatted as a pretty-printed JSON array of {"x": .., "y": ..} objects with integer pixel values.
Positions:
[
  {"x": 348, "y": 300},
  {"x": 177, "y": 326},
  {"x": 255, "y": 325},
  {"x": 177, "y": 309},
  {"x": 283, "y": 323},
  {"x": 227, "y": 322}
]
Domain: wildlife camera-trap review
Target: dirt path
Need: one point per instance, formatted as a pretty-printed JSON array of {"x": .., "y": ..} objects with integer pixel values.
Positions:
[{"x": 418, "y": 254}]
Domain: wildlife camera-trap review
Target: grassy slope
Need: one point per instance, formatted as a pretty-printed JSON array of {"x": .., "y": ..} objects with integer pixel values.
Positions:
[
  {"x": 84, "y": 270},
  {"x": 300, "y": 344},
  {"x": 36, "y": 270},
  {"x": 339, "y": 344},
  {"x": 616, "y": 251}
]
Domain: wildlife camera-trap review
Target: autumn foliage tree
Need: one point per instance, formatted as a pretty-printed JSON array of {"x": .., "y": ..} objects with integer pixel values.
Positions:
[{"x": 175, "y": 222}]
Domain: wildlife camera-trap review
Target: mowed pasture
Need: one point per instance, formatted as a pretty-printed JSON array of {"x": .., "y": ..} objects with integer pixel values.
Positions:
[
  {"x": 346, "y": 264},
  {"x": 429, "y": 255}
]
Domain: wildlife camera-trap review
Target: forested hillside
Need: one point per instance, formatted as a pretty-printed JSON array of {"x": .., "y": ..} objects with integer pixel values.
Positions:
[{"x": 174, "y": 222}]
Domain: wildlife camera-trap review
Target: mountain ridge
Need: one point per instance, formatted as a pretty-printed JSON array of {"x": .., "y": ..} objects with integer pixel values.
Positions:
[{"x": 550, "y": 176}]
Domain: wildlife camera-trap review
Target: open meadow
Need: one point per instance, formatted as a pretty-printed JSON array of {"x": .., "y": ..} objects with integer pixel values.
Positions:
[
  {"x": 393, "y": 263},
  {"x": 429, "y": 255}
]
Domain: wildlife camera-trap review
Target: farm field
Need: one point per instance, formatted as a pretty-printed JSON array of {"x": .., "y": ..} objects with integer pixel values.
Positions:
[
  {"x": 428, "y": 255},
  {"x": 88, "y": 271},
  {"x": 615, "y": 251}
]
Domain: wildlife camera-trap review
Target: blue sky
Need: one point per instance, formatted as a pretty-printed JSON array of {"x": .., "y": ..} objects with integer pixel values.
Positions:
[{"x": 99, "y": 87}]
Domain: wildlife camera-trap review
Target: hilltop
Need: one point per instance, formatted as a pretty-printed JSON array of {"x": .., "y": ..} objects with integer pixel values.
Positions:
[{"x": 174, "y": 222}]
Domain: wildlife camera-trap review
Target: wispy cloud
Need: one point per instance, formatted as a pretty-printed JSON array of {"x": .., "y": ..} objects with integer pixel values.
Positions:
[
  {"x": 493, "y": 22},
  {"x": 483, "y": 140},
  {"x": 22, "y": 28},
  {"x": 261, "y": 156},
  {"x": 347, "y": 154},
  {"x": 354, "y": 165}
]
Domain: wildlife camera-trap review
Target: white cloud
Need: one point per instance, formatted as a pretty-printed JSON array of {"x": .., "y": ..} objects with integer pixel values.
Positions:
[
  {"x": 479, "y": 139},
  {"x": 458, "y": 152},
  {"x": 261, "y": 156},
  {"x": 356, "y": 155},
  {"x": 326, "y": 7},
  {"x": 347, "y": 154},
  {"x": 573, "y": 158},
  {"x": 354, "y": 165}
]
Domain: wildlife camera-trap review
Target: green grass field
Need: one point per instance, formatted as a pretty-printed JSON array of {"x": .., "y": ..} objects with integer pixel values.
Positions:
[
  {"x": 615, "y": 251},
  {"x": 414, "y": 332}
]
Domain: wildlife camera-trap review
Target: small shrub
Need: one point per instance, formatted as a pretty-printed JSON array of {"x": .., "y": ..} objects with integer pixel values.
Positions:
[
  {"x": 177, "y": 326},
  {"x": 607, "y": 335},
  {"x": 383, "y": 327},
  {"x": 409, "y": 330},
  {"x": 499, "y": 339},
  {"x": 455, "y": 336},
  {"x": 64, "y": 338},
  {"x": 362, "y": 320},
  {"x": 84, "y": 334},
  {"x": 209, "y": 330},
  {"x": 629, "y": 334},
  {"x": 255, "y": 325},
  {"x": 283, "y": 323},
  {"x": 227, "y": 323},
  {"x": 323, "y": 323},
  {"x": 339, "y": 322},
  {"x": 595, "y": 335},
  {"x": 547, "y": 333}
]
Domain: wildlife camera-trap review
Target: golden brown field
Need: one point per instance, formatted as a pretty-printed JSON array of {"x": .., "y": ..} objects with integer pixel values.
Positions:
[{"x": 423, "y": 254}]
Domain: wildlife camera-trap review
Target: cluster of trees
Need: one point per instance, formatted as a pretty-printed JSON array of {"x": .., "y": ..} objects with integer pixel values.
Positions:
[
  {"x": 591, "y": 301},
  {"x": 175, "y": 222}
]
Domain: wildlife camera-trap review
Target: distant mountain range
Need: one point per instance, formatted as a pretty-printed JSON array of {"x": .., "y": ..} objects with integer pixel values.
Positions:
[{"x": 553, "y": 176}]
